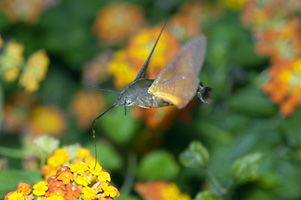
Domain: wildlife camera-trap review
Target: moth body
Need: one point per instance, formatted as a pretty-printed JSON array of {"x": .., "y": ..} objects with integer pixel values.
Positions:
[{"x": 137, "y": 94}]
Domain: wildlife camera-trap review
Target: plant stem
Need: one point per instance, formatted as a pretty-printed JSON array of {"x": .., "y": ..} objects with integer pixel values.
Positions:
[
  {"x": 221, "y": 190},
  {"x": 12, "y": 153},
  {"x": 130, "y": 174}
]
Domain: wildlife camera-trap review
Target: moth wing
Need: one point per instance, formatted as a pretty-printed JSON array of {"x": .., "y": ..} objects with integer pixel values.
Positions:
[{"x": 178, "y": 82}]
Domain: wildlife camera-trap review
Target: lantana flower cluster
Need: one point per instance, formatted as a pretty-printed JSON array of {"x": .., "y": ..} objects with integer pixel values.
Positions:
[
  {"x": 276, "y": 27},
  {"x": 12, "y": 62},
  {"x": 66, "y": 178}
]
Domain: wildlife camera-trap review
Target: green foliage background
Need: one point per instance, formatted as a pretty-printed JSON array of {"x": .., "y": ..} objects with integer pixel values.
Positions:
[{"x": 241, "y": 120}]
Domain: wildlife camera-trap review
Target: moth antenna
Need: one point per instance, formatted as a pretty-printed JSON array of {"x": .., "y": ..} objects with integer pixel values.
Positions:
[
  {"x": 103, "y": 89},
  {"x": 93, "y": 131},
  {"x": 143, "y": 68}
]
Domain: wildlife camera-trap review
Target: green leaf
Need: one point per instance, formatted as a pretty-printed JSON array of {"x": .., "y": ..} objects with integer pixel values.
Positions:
[
  {"x": 253, "y": 101},
  {"x": 118, "y": 127},
  {"x": 1, "y": 106},
  {"x": 246, "y": 168},
  {"x": 126, "y": 197},
  {"x": 108, "y": 157},
  {"x": 157, "y": 165},
  {"x": 9, "y": 180},
  {"x": 206, "y": 195},
  {"x": 195, "y": 156}
]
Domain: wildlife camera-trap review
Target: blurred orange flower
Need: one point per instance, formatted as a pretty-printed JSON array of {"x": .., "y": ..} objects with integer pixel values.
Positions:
[
  {"x": 46, "y": 120},
  {"x": 27, "y": 11},
  {"x": 160, "y": 191},
  {"x": 184, "y": 26},
  {"x": 22, "y": 10},
  {"x": 96, "y": 70},
  {"x": 263, "y": 14},
  {"x": 284, "y": 86},
  {"x": 282, "y": 42},
  {"x": 118, "y": 21},
  {"x": 156, "y": 117},
  {"x": 34, "y": 71},
  {"x": 11, "y": 60},
  {"x": 86, "y": 105},
  {"x": 16, "y": 109}
]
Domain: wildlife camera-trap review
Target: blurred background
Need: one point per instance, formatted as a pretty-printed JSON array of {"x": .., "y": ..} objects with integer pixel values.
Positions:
[{"x": 53, "y": 51}]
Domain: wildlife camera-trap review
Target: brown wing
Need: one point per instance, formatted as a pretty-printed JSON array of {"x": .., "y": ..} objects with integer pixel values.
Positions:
[{"x": 177, "y": 83}]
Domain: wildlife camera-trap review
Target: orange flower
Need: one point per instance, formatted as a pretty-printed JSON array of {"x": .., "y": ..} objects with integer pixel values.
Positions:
[
  {"x": 184, "y": 26},
  {"x": 160, "y": 191},
  {"x": 156, "y": 117},
  {"x": 72, "y": 192},
  {"x": 117, "y": 21},
  {"x": 24, "y": 188},
  {"x": 86, "y": 105},
  {"x": 282, "y": 42},
  {"x": 28, "y": 11},
  {"x": 258, "y": 13},
  {"x": 96, "y": 70},
  {"x": 57, "y": 185},
  {"x": 284, "y": 86}
]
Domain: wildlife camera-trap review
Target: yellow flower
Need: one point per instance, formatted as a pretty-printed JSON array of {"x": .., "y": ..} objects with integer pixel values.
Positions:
[
  {"x": 117, "y": 21},
  {"x": 11, "y": 61},
  {"x": 15, "y": 196},
  {"x": 109, "y": 190},
  {"x": 79, "y": 167},
  {"x": 46, "y": 120},
  {"x": 234, "y": 4},
  {"x": 34, "y": 71},
  {"x": 172, "y": 192},
  {"x": 140, "y": 46},
  {"x": 40, "y": 188},
  {"x": 66, "y": 177},
  {"x": 55, "y": 197},
  {"x": 104, "y": 177},
  {"x": 88, "y": 193},
  {"x": 58, "y": 159},
  {"x": 82, "y": 180},
  {"x": 123, "y": 72},
  {"x": 95, "y": 170},
  {"x": 83, "y": 153}
]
